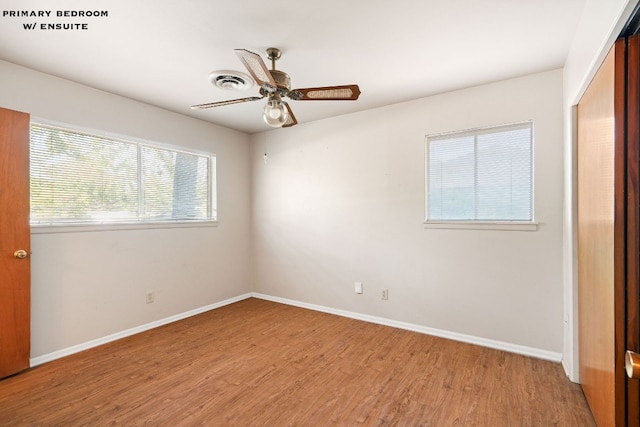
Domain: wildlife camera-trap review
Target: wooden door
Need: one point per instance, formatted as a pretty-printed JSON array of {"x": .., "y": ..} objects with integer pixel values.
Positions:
[
  {"x": 15, "y": 272},
  {"x": 596, "y": 166},
  {"x": 609, "y": 235}
]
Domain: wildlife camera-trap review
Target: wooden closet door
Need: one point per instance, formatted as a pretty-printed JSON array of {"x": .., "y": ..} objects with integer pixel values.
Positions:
[
  {"x": 609, "y": 235},
  {"x": 15, "y": 269},
  {"x": 596, "y": 241}
]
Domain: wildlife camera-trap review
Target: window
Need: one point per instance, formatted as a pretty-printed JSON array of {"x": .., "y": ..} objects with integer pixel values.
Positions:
[
  {"x": 79, "y": 178},
  {"x": 482, "y": 175}
]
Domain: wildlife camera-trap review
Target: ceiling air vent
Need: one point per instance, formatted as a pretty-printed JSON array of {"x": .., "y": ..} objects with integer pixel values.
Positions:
[{"x": 231, "y": 80}]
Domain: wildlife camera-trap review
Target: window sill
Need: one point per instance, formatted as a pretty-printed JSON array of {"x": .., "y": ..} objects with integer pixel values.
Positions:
[
  {"x": 483, "y": 225},
  {"x": 82, "y": 228}
]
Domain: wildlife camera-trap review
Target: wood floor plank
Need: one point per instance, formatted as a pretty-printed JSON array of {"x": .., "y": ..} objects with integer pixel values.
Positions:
[{"x": 258, "y": 363}]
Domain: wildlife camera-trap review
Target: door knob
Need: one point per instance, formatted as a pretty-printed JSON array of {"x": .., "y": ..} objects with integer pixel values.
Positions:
[
  {"x": 20, "y": 254},
  {"x": 632, "y": 364}
]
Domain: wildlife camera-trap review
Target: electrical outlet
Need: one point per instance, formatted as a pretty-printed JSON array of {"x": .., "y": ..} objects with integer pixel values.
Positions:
[
  {"x": 385, "y": 294},
  {"x": 149, "y": 295}
]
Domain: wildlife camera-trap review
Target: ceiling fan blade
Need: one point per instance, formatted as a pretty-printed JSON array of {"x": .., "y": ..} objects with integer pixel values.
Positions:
[
  {"x": 328, "y": 93},
  {"x": 257, "y": 68},
  {"x": 229, "y": 102},
  {"x": 291, "y": 119}
]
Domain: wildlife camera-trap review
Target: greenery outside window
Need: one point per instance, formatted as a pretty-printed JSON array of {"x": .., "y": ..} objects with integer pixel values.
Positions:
[
  {"x": 480, "y": 175},
  {"x": 80, "y": 178}
]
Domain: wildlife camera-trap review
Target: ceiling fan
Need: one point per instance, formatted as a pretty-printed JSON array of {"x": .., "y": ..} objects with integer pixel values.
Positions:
[{"x": 276, "y": 84}]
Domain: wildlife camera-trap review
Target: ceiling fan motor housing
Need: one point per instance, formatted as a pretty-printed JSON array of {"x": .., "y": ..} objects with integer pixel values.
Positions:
[{"x": 283, "y": 81}]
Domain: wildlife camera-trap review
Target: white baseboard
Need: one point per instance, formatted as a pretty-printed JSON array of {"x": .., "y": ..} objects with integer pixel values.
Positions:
[
  {"x": 118, "y": 335},
  {"x": 498, "y": 345}
]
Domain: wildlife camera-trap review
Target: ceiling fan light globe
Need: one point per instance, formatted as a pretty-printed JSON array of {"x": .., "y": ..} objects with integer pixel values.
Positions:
[{"x": 275, "y": 113}]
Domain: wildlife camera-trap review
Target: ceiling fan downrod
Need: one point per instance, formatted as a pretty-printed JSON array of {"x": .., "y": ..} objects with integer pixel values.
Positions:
[{"x": 273, "y": 53}]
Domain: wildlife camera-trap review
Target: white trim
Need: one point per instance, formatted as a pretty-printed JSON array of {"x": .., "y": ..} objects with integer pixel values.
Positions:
[
  {"x": 35, "y": 361},
  {"x": 484, "y": 342},
  {"x": 83, "y": 228},
  {"x": 480, "y": 225}
]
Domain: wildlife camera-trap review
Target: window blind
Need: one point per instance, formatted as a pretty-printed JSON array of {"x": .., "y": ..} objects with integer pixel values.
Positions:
[
  {"x": 81, "y": 178},
  {"x": 481, "y": 175}
]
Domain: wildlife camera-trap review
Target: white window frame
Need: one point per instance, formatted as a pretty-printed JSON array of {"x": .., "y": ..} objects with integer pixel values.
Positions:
[
  {"x": 66, "y": 227},
  {"x": 515, "y": 225}
]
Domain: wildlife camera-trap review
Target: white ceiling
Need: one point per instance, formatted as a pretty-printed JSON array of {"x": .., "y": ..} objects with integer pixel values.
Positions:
[{"x": 162, "y": 51}]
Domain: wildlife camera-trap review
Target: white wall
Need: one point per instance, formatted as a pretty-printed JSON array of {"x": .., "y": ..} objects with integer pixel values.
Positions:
[
  {"x": 87, "y": 285},
  {"x": 342, "y": 200},
  {"x": 600, "y": 24}
]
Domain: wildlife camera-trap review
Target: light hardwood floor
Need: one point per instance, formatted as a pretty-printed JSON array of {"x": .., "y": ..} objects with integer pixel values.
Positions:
[{"x": 258, "y": 363}]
